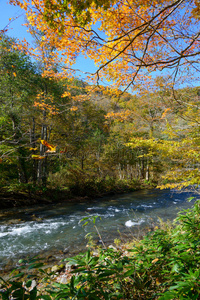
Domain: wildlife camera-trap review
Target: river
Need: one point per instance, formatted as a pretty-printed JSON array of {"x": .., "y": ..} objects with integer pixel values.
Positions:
[{"x": 56, "y": 229}]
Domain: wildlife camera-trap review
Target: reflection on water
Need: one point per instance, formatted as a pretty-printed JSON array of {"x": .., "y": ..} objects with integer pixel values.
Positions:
[{"x": 57, "y": 227}]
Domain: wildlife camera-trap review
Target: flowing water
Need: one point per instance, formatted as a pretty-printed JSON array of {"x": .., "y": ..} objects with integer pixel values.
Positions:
[{"x": 56, "y": 228}]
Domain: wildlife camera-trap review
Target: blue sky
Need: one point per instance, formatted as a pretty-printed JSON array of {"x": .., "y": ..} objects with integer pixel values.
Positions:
[{"x": 17, "y": 30}]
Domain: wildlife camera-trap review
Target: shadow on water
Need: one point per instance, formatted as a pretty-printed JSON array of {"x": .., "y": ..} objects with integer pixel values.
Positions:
[{"x": 56, "y": 229}]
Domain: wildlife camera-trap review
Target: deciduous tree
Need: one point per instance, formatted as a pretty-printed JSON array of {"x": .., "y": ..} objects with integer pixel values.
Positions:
[{"x": 128, "y": 40}]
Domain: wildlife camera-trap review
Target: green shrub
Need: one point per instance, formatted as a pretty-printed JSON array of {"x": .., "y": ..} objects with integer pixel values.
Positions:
[{"x": 164, "y": 265}]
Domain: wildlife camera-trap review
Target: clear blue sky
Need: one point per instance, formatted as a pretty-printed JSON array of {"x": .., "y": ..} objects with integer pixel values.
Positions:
[{"x": 17, "y": 30}]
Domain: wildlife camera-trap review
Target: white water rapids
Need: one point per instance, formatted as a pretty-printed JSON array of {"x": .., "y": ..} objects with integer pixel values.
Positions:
[{"x": 50, "y": 229}]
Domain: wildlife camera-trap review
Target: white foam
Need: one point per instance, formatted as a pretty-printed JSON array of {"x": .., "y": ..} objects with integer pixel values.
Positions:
[
  {"x": 3, "y": 234},
  {"x": 130, "y": 223},
  {"x": 21, "y": 231},
  {"x": 31, "y": 227},
  {"x": 146, "y": 206}
]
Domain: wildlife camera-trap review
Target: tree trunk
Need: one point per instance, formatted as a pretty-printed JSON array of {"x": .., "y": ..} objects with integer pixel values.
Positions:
[
  {"x": 22, "y": 170},
  {"x": 147, "y": 173},
  {"x": 42, "y": 164},
  {"x": 33, "y": 145}
]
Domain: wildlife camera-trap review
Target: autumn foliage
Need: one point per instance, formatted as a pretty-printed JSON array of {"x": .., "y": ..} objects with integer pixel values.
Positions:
[
  {"x": 72, "y": 131},
  {"x": 127, "y": 40}
]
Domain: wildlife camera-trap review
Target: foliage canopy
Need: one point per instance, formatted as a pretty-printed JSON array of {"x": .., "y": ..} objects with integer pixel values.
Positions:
[{"x": 127, "y": 40}]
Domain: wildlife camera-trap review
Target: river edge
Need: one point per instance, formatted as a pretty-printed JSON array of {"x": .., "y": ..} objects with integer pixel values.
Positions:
[
  {"x": 51, "y": 259},
  {"x": 27, "y": 198},
  {"x": 150, "y": 258}
]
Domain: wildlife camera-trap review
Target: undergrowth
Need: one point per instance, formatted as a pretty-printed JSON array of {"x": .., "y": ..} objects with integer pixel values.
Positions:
[{"x": 164, "y": 265}]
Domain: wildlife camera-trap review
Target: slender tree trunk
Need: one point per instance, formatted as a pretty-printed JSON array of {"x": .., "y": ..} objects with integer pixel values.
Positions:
[
  {"x": 22, "y": 169},
  {"x": 42, "y": 164},
  {"x": 33, "y": 145},
  {"x": 141, "y": 169},
  {"x": 120, "y": 171},
  {"x": 147, "y": 172}
]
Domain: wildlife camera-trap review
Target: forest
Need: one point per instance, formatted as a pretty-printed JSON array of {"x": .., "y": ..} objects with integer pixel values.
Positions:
[
  {"x": 110, "y": 130},
  {"x": 68, "y": 134},
  {"x": 84, "y": 140}
]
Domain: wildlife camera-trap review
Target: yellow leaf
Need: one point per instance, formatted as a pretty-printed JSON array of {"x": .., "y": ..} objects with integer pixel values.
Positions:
[
  {"x": 66, "y": 94},
  {"x": 51, "y": 148},
  {"x": 157, "y": 281},
  {"x": 74, "y": 108},
  {"x": 37, "y": 156},
  {"x": 165, "y": 113}
]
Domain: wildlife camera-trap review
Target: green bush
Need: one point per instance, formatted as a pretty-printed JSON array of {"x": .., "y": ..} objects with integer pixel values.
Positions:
[{"x": 164, "y": 265}]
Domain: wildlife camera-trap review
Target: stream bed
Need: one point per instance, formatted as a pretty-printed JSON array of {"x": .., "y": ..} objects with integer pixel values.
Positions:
[{"x": 56, "y": 229}]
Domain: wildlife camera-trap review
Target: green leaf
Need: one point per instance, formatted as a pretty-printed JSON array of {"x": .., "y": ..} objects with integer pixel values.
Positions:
[
  {"x": 175, "y": 268},
  {"x": 93, "y": 262},
  {"x": 190, "y": 199},
  {"x": 36, "y": 265},
  {"x": 79, "y": 270},
  {"x": 63, "y": 295},
  {"x": 45, "y": 297},
  {"x": 88, "y": 255},
  {"x": 28, "y": 284},
  {"x": 107, "y": 273},
  {"x": 19, "y": 275},
  {"x": 129, "y": 272},
  {"x": 168, "y": 295},
  {"x": 72, "y": 281},
  {"x": 33, "y": 294},
  {"x": 22, "y": 261}
]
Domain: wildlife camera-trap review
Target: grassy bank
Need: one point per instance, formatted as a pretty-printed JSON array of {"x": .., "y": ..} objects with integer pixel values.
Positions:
[{"x": 163, "y": 265}]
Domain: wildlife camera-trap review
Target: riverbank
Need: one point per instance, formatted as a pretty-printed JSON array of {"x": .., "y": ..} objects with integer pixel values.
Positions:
[
  {"x": 56, "y": 230},
  {"x": 29, "y": 197},
  {"x": 163, "y": 265},
  {"x": 51, "y": 258}
]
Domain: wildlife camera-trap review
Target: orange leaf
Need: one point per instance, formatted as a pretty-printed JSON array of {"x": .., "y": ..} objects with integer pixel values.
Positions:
[
  {"x": 51, "y": 148},
  {"x": 154, "y": 261}
]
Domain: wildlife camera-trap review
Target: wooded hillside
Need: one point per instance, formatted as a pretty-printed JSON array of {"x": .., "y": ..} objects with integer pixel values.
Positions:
[{"x": 65, "y": 134}]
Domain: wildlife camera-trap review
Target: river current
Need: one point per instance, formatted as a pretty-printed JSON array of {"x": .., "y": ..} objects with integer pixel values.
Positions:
[{"x": 57, "y": 228}]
